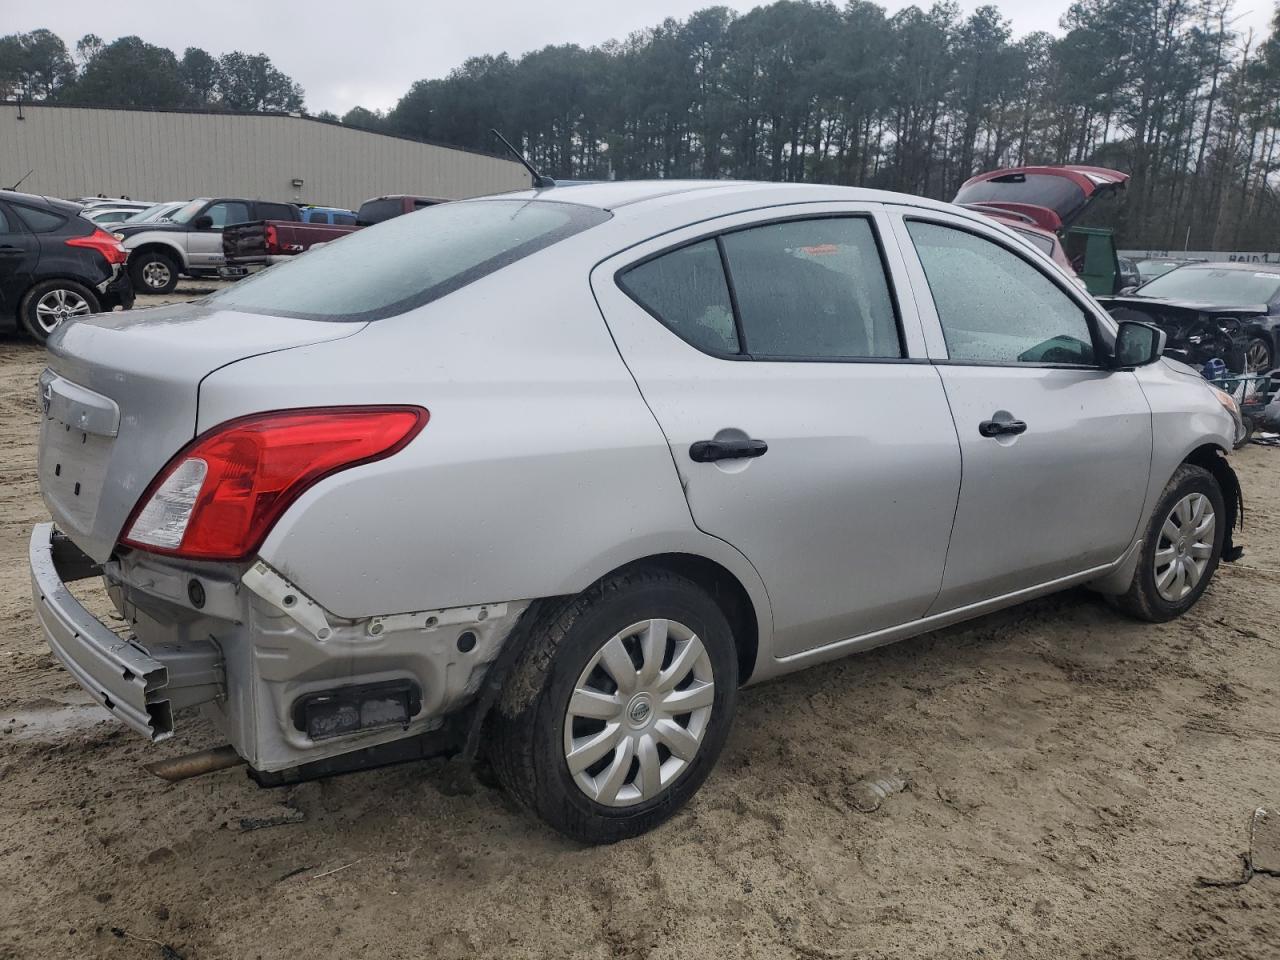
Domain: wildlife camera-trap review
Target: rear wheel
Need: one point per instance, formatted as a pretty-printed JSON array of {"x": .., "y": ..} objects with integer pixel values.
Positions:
[
  {"x": 1181, "y": 548},
  {"x": 153, "y": 272},
  {"x": 51, "y": 303},
  {"x": 618, "y": 709}
]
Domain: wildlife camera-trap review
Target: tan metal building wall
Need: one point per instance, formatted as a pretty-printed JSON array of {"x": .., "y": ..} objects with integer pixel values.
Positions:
[{"x": 83, "y": 151}]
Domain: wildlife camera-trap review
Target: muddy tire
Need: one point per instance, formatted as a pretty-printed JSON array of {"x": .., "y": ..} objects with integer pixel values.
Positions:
[
  {"x": 153, "y": 272},
  {"x": 618, "y": 708},
  {"x": 1181, "y": 547},
  {"x": 50, "y": 303}
]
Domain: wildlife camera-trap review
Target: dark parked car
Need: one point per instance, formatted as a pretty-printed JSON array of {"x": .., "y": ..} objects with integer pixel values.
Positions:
[
  {"x": 55, "y": 264},
  {"x": 393, "y": 205},
  {"x": 1199, "y": 303}
]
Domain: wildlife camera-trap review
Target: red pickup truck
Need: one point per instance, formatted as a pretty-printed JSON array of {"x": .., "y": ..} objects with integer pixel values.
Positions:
[{"x": 248, "y": 247}]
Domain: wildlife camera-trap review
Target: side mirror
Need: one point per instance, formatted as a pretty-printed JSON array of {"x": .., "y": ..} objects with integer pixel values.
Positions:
[
  {"x": 1138, "y": 344},
  {"x": 1126, "y": 291},
  {"x": 203, "y": 223}
]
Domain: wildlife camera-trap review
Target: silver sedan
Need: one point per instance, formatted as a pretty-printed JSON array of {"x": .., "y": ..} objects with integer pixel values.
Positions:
[{"x": 551, "y": 475}]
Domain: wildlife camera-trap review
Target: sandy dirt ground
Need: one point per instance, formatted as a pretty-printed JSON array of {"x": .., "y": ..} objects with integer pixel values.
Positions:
[{"x": 1072, "y": 775}]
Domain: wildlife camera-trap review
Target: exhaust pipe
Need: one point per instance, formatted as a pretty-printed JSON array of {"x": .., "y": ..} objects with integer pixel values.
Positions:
[{"x": 195, "y": 764}]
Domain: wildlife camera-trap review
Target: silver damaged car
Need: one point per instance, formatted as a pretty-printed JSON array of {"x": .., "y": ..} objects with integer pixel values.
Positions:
[{"x": 548, "y": 476}]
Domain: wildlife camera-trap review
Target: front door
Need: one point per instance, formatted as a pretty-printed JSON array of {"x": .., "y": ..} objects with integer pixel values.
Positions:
[
  {"x": 1056, "y": 448},
  {"x": 19, "y": 251},
  {"x": 204, "y": 247},
  {"x": 807, "y": 426}
]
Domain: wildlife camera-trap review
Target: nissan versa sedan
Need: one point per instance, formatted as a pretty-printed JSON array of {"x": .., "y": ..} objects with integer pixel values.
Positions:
[{"x": 551, "y": 475}]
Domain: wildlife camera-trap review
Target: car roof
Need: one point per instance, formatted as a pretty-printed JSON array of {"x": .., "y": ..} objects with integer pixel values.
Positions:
[
  {"x": 35, "y": 200},
  {"x": 615, "y": 194}
]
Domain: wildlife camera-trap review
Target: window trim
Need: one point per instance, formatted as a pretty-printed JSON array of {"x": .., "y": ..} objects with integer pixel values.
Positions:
[
  {"x": 717, "y": 234},
  {"x": 1100, "y": 348}
]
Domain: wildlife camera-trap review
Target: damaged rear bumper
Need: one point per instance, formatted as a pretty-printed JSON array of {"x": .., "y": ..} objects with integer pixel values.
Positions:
[
  {"x": 141, "y": 686},
  {"x": 290, "y": 684}
]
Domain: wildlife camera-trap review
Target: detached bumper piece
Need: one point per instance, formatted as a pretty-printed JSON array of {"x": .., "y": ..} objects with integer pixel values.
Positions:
[{"x": 141, "y": 687}]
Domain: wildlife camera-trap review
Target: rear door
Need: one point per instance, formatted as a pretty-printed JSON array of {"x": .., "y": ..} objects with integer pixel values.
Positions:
[
  {"x": 204, "y": 247},
  {"x": 19, "y": 253},
  {"x": 1056, "y": 448},
  {"x": 807, "y": 426}
]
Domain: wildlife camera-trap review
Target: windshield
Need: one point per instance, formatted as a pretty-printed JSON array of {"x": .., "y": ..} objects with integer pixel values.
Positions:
[
  {"x": 187, "y": 212},
  {"x": 395, "y": 266},
  {"x": 1225, "y": 287},
  {"x": 153, "y": 211},
  {"x": 1157, "y": 268}
]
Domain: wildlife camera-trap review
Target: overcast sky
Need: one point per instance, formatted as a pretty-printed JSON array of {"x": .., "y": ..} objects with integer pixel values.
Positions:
[{"x": 368, "y": 52}]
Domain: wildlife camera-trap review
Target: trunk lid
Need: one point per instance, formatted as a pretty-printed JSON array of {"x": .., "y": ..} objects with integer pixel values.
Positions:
[
  {"x": 119, "y": 399},
  {"x": 1052, "y": 197}
]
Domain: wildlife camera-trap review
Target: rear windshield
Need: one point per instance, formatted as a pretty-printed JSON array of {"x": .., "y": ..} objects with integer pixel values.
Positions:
[
  {"x": 1222, "y": 287},
  {"x": 376, "y": 211},
  {"x": 384, "y": 270},
  {"x": 1039, "y": 189}
]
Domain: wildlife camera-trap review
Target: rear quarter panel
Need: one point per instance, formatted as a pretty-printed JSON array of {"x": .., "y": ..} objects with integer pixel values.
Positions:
[{"x": 541, "y": 468}]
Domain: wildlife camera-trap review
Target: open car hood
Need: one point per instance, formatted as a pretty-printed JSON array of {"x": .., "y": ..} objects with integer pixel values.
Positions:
[
  {"x": 1155, "y": 304},
  {"x": 1051, "y": 198}
]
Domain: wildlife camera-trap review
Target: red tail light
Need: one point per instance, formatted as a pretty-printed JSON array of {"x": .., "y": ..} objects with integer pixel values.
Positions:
[
  {"x": 221, "y": 495},
  {"x": 104, "y": 243},
  {"x": 273, "y": 239}
]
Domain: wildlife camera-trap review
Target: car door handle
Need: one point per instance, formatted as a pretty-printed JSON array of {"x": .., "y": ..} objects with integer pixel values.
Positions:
[
  {"x": 709, "y": 451},
  {"x": 1002, "y": 428}
]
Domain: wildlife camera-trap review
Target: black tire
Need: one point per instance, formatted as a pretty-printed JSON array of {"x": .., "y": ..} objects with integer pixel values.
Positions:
[
  {"x": 1143, "y": 599},
  {"x": 36, "y": 323},
  {"x": 1259, "y": 356},
  {"x": 153, "y": 272},
  {"x": 527, "y": 729}
]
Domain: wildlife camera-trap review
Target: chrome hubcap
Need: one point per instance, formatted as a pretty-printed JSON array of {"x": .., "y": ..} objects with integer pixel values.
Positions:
[
  {"x": 155, "y": 274},
  {"x": 59, "y": 305},
  {"x": 1185, "y": 546},
  {"x": 638, "y": 713}
]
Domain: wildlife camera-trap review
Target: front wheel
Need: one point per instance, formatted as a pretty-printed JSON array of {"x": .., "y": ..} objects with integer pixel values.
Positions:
[
  {"x": 1181, "y": 547},
  {"x": 618, "y": 708},
  {"x": 1258, "y": 356}
]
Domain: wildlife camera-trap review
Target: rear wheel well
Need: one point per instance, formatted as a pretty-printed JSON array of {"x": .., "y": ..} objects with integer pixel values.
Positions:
[
  {"x": 723, "y": 587},
  {"x": 728, "y": 593}
]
